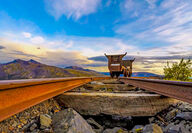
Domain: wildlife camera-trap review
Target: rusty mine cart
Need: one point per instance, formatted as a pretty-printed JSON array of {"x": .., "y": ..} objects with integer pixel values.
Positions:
[{"x": 118, "y": 66}]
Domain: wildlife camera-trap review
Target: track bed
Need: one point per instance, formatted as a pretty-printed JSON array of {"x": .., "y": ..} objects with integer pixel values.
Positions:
[{"x": 112, "y": 97}]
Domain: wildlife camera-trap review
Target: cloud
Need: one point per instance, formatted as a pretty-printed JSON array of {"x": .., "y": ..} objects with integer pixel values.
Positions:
[
  {"x": 98, "y": 58},
  {"x": 152, "y": 3},
  {"x": 130, "y": 7},
  {"x": 161, "y": 31},
  {"x": 21, "y": 50},
  {"x": 88, "y": 46},
  {"x": 37, "y": 40},
  {"x": 71, "y": 8},
  {"x": 136, "y": 8},
  {"x": 26, "y": 34},
  {"x": 9, "y": 23},
  {"x": 2, "y": 47},
  {"x": 69, "y": 44},
  {"x": 64, "y": 58},
  {"x": 20, "y": 53},
  {"x": 94, "y": 65}
]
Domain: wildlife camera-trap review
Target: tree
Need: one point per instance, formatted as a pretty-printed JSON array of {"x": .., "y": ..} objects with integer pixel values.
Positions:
[{"x": 178, "y": 71}]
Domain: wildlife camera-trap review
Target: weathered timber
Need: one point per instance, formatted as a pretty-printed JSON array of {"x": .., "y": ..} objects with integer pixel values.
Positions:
[
  {"x": 111, "y": 81},
  {"x": 110, "y": 87},
  {"x": 122, "y": 104}
]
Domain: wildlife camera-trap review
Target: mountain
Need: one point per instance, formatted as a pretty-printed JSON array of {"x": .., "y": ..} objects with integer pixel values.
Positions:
[
  {"x": 105, "y": 73},
  {"x": 138, "y": 74},
  {"x": 20, "y": 69},
  {"x": 144, "y": 74},
  {"x": 78, "y": 68}
]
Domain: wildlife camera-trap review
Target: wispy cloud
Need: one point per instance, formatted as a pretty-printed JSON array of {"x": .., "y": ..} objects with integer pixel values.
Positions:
[
  {"x": 136, "y": 8},
  {"x": 9, "y": 23},
  {"x": 72, "y": 8},
  {"x": 26, "y": 34},
  {"x": 22, "y": 50},
  {"x": 152, "y": 3},
  {"x": 168, "y": 27},
  {"x": 37, "y": 40},
  {"x": 2, "y": 47}
]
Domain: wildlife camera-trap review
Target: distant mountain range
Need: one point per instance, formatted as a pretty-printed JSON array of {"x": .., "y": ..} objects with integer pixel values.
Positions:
[
  {"x": 79, "y": 68},
  {"x": 138, "y": 74},
  {"x": 145, "y": 74},
  {"x": 20, "y": 69}
]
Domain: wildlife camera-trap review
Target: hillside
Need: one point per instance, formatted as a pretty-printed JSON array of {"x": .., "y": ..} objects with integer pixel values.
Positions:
[
  {"x": 79, "y": 68},
  {"x": 20, "y": 69}
]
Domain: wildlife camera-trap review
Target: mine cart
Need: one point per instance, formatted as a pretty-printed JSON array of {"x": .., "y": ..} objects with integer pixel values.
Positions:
[{"x": 118, "y": 66}]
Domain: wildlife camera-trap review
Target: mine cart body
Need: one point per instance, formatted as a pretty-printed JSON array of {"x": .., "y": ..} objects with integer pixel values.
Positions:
[{"x": 118, "y": 66}]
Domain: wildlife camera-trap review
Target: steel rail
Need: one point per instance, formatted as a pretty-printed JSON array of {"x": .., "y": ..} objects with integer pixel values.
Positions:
[
  {"x": 18, "y": 95},
  {"x": 176, "y": 89}
]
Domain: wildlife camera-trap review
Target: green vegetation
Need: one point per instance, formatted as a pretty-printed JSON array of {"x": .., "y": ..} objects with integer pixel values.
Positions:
[{"x": 179, "y": 71}]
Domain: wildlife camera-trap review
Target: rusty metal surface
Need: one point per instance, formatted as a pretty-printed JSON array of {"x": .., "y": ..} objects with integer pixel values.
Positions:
[
  {"x": 117, "y": 65},
  {"x": 175, "y": 89},
  {"x": 18, "y": 95},
  {"x": 115, "y": 59}
]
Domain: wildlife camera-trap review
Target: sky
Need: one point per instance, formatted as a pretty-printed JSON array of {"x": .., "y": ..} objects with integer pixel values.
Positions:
[{"x": 78, "y": 32}]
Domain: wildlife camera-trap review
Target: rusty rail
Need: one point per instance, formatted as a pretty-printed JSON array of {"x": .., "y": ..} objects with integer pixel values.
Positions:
[
  {"x": 18, "y": 95},
  {"x": 175, "y": 89}
]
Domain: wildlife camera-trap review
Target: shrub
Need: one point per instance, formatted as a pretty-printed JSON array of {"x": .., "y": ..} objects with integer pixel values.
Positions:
[{"x": 178, "y": 71}]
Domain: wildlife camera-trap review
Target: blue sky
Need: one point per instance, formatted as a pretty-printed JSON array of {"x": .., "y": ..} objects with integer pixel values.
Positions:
[{"x": 79, "y": 32}]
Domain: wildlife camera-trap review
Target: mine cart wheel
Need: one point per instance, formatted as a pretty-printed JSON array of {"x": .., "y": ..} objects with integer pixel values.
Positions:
[
  {"x": 112, "y": 74},
  {"x": 117, "y": 74},
  {"x": 130, "y": 73},
  {"x": 125, "y": 73}
]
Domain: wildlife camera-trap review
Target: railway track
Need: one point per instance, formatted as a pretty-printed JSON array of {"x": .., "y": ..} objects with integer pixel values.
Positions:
[
  {"x": 18, "y": 95},
  {"x": 175, "y": 89}
]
